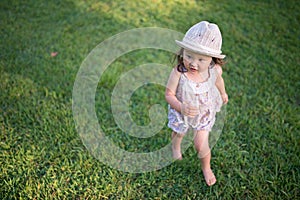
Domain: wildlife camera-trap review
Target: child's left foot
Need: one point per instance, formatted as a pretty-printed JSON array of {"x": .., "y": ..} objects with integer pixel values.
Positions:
[{"x": 209, "y": 177}]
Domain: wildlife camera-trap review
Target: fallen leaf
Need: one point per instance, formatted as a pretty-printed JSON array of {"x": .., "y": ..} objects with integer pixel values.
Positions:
[{"x": 53, "y": 54}]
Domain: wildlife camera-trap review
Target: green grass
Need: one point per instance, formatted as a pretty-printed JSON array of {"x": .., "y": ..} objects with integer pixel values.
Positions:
[{"x": 41, "y": 154}]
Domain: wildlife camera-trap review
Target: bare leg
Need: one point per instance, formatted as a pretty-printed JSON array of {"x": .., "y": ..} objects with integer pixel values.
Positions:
[
  {"x": 176, "y": 142},
  {"x": 208, "y": 174},
  {"x": 202, "y": 147}
]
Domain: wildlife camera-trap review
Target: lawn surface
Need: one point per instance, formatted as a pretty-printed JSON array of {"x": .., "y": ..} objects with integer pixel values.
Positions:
[{"x": 41, "y": 153}]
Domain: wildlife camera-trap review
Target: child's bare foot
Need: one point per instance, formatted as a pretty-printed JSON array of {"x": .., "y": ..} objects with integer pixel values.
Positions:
[
  {"x": 175, "y": 152},
  {"x": 177, "y": 155},
  {"x": 209, "y": 177}
]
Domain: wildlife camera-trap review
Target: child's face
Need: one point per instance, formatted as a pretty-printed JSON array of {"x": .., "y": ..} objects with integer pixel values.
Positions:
[{"x": 196, "y": 62}]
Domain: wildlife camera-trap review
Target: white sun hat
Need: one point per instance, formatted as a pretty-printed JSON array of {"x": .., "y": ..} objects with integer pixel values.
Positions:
[{"x": 203, "y": 38}]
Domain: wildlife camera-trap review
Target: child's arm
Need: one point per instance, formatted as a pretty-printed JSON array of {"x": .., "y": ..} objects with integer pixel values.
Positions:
[
  {"x": 220, "y": 85},
  {"x": 171, "y": 90}
]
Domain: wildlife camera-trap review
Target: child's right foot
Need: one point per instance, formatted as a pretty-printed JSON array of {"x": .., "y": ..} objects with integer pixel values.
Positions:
[{"x": 176, "y": 153}]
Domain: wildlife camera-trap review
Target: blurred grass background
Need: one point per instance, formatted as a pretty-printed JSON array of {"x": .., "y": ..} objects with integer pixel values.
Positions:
[{"x": 41, "y": 154}]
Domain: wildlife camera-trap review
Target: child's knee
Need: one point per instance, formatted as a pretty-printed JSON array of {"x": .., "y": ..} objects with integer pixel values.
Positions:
[
  {"x": 177, "y": 135},
  {"x": 202, "y": 148},
  {"x": 203, "y": 152}
]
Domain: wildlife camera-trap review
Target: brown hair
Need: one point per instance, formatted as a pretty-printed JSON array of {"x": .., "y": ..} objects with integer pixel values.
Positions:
[{"x": 180, "y": 66}]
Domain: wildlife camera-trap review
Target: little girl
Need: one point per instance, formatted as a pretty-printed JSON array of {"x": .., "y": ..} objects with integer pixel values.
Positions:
[{"x": 195, "y": 91}]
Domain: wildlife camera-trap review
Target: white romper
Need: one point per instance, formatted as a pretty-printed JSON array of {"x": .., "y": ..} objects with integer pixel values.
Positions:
[{"x": 204, "y": 95}]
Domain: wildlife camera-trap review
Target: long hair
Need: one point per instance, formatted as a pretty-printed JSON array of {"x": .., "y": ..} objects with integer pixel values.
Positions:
[
  {"x": 180, "y": 66},
  {"x": 179, "y": 58}
]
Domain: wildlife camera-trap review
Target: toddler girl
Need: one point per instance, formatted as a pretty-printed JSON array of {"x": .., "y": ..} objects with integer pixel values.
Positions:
[{"x": 195, "y": 91}]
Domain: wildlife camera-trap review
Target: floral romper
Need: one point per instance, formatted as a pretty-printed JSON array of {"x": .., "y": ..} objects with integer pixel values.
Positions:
[{"x": 204, "y": 95}]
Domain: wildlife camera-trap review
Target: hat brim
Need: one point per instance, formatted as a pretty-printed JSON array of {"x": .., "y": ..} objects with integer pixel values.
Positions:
[{"x": 199, "y": 50}]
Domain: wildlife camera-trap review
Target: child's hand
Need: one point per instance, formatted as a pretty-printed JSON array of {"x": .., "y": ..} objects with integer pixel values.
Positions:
[
  {"x": 189, "y": 110},
  {"x": 224, "y": 98}
]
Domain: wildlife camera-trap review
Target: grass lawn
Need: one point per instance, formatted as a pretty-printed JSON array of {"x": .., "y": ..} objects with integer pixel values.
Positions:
[{"x": 41, "y": 153}]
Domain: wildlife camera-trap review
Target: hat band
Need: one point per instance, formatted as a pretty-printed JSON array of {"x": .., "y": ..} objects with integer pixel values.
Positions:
[{"x": 200, "y": 47}]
